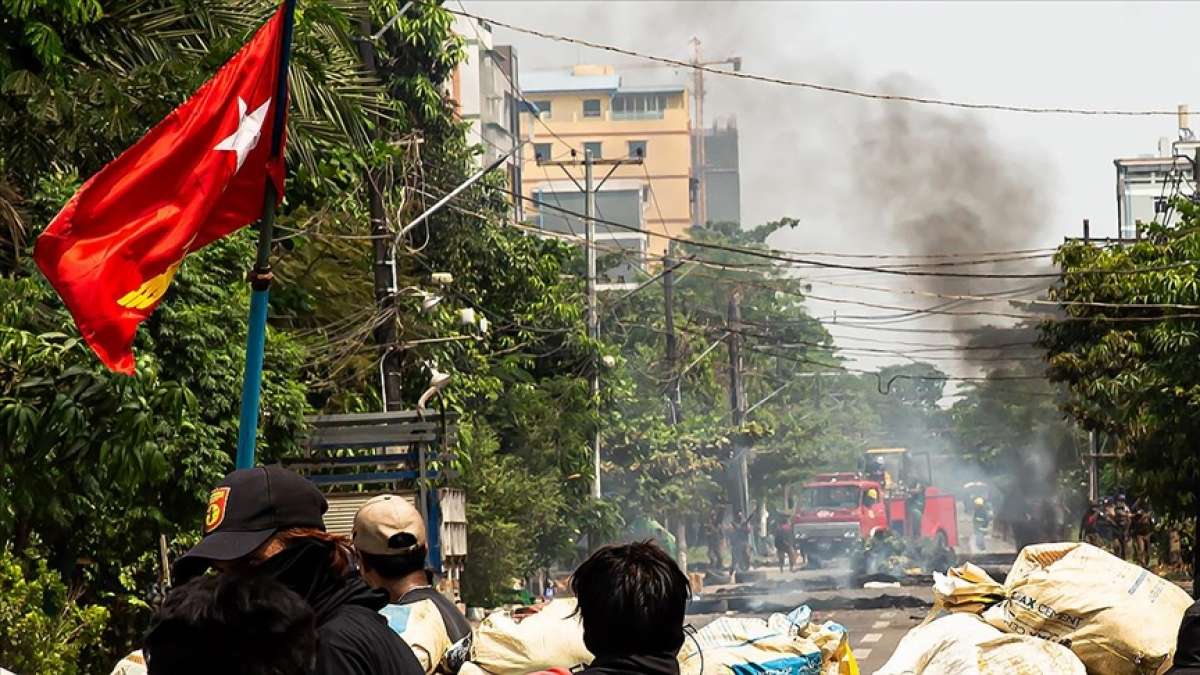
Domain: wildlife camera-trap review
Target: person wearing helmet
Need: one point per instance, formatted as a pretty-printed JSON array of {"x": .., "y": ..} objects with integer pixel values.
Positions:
[
  {"x": 981, "y": 519},
  {"x": 871, "y": 498}
]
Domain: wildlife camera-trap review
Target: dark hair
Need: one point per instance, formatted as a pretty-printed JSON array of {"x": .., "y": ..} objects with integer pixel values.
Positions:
[
  {"x": 232, "y": 625},
  {"x": 632, "y": 599},
  {"x": 341, "y": 556},
  {"x": 395, "y": 566}
]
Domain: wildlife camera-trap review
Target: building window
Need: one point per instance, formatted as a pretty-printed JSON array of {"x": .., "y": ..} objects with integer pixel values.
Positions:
[
  {"x": 591, "y": 107},
  {"x": 637, "y": 149},
  {"x": 543, "y": 109},
  {"x": 639, "y": 106},
  {"x": 541, "y": 151},
  {"x": 594, "y": 148}
]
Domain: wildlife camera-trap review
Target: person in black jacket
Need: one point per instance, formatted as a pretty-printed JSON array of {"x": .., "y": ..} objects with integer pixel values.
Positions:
[
  {"x": 632, "y": 600},
  {"x": 1187, "y": 647},
  {"x": 234, "y": 626},
  {"x": 266, "y": 522}
]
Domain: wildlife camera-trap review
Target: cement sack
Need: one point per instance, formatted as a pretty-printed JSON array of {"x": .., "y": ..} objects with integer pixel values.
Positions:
[
  {"x": 552, "y": 637},
  {"x": 1118, "y": 618},
  {"x": 963, "y": 644},
  {"x": 965, "y": 589},
  {"x": 786, "y": 644},
  {"x": 420, "y": 624}
]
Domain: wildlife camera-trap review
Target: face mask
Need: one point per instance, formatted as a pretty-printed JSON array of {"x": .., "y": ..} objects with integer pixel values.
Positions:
[{"x": 303, "y": 567}]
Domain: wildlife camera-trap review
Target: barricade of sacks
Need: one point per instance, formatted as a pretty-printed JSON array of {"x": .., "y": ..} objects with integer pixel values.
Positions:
[
  {"x": 1064, "y": 608},
  {"x": 552, "y": 639}
]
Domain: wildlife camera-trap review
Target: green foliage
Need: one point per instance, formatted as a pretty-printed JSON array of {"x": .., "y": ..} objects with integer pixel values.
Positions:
[
  {"x": 1131, "y": 373},
  {"x": 43, "y": 627}
]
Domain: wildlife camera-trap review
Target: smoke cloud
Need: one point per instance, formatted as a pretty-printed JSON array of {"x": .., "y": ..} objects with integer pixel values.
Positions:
[
  {"x": 861, "y": 176},
  {"x": 938, "y": 182}
]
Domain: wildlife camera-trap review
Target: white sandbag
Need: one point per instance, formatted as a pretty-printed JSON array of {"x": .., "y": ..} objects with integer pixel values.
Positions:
[
  {"x": 133, "y": 664},
  {"x": 552, "y": 637},
  {"x": 1118, "y": 618},
  {"x": 963, "y": 644},
  {"x": 781, "y": 644}
]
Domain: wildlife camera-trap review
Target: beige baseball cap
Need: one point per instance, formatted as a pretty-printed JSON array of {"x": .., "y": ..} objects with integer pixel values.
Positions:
[{"x": 381, "y": 522}]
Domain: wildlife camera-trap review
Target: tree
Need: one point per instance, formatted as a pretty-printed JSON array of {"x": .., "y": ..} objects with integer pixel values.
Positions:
[
  {"x": 43, "y": 629},
  {"x": 1131, "y": 369},
  {"x": 95, "y": 466}
]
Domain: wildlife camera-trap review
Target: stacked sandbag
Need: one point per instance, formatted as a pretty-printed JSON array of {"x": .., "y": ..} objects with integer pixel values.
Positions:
[
  {"x": 553, "y": 637},
  {"x": 1118, "y": 618},
  {"x": 964, "y": 644},
  {"x": 781, "y": 644},
  {"x": 965, "y": 589}
]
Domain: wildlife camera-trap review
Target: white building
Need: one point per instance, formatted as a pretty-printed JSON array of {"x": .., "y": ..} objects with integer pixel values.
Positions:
[
  {"x": 485, "y": 87},
  {"x": 1147, "y": 184}
]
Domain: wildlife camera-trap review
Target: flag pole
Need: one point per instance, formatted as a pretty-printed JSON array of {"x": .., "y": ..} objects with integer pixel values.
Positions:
[{"x": 260, "y": 275}]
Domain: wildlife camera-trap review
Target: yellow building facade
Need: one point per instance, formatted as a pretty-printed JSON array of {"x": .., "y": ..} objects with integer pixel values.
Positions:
[{"x": 592, "y": 108}]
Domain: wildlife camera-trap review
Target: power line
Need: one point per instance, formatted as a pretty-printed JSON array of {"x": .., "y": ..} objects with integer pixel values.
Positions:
[
  {"x": 829, "y": 89},
  {"x": 773, "y": 255}
]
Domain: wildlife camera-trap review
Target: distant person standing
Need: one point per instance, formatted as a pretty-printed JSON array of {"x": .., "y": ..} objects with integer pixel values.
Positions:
[
  {"x": 981, "y": 519},
  {"x": 741, "y": 542},
  {"x": 1123, "y": 519},
  {"x": 715, "y": 535},
  {"x": 1141, "y": 528},
  {"x": 785, "y": 545}
]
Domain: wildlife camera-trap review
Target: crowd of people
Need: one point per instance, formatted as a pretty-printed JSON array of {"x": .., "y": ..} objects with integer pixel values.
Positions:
[
  {"x": 1124, "y": 529},
  {"x": 267, "y": 591}
]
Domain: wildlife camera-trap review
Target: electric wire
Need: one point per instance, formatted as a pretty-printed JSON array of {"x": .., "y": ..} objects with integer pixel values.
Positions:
[{"x": 813, "y": 85}]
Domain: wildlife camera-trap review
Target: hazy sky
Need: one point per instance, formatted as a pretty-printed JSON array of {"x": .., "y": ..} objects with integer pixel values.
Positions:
[{"x": 833, "y": 161}]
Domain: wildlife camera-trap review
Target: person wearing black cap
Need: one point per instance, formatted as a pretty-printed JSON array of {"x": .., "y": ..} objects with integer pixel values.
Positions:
[
  {"x": 1187, "y": 646},
  {"x": 267, "y": 522}
]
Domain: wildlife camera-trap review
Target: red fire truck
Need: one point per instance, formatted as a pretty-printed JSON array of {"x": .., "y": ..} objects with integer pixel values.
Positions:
[{"x": 836, "y": 510}]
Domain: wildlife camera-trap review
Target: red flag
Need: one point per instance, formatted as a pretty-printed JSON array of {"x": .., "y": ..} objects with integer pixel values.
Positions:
[{"x": 195, "y": 177}]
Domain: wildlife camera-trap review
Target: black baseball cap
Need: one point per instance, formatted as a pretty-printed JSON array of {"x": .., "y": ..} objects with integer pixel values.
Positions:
[{"x": 249, "y": 506}]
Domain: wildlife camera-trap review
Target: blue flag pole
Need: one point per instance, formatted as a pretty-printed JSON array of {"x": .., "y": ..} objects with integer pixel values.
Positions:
[{"x": 260, "y": 275}]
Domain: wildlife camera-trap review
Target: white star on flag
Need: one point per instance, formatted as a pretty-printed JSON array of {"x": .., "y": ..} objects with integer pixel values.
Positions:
[{"x": 243, "y": 140}]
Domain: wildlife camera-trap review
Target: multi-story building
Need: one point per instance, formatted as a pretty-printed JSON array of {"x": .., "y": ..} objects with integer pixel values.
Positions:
[
  {"x": 722, "y": 186},
  {"x": 592, "y": 108},
  {"x": 1146, "y": 184},
  {"x": 485, "y": 87}
]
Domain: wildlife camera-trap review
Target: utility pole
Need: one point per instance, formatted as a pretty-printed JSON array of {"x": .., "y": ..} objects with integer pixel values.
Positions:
[
  {"x": 699, "y": 130},
  {"x": 593, "y": 321},
  {"x": 701, "y": 160},
  {"x": 1093, "y": 467},
  {"x": 737, "y": 403},
  {"x": 383, "y": 261},
  {"x": 673, "y": 394},
  {"x": 675, "y": 409},
  {"x": 589, "y": 189}
]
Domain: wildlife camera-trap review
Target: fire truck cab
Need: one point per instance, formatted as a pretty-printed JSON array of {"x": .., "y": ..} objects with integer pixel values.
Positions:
[{"x": 836, "y": 510}]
